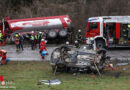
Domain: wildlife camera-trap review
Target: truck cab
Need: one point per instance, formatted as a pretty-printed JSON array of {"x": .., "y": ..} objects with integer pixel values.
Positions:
[
  {"x": 108, "y": 31},
  {"x": 94, "y": 32}
]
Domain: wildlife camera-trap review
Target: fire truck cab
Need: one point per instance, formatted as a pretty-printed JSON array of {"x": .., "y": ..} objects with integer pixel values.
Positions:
[{"x": 108, "y": 31}]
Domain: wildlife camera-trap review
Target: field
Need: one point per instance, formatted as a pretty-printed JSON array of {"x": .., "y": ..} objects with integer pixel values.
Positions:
[{"x": 25, "y": 76}]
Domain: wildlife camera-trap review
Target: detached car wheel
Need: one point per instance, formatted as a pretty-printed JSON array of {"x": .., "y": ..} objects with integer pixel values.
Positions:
[
  {"x": 63, "y": 33},
  {"x": 52, "y": 34}
]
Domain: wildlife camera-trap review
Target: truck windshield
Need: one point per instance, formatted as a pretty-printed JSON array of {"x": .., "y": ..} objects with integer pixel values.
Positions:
[{"x": 93, "y": 26}]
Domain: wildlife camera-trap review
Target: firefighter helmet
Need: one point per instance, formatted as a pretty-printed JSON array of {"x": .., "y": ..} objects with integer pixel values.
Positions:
[
  {"x": 67, "y": 43},
  {"x": 43, "y": 40},
  {"x": 32, "y": 32},
  {"x": 16, "y": 35},
  {"x": 40, "y": 32},
  {"x": 79, "y": 30},
  {"x": 76, "y": 41}
]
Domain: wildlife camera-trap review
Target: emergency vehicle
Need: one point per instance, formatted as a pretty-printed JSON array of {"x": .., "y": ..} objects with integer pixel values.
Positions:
[
  {"x": 108, "y": 31},
  {"x": 54, "y": 27}
]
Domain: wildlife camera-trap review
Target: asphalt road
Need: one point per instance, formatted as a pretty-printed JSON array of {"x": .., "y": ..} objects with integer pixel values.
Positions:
[{"x": 33, "y": 55}]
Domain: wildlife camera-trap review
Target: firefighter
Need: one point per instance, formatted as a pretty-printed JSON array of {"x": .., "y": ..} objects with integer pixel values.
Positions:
[
  {"x": 17, "y": 41},
  {"x": 35, "y": 39},
  {"x": 21, "y": 41},
  {"x": 78, "y": 39},
  {"x": 79, "y": 36},
  {"x": 43, "y": 50},
  {"x": 32, "y": 40},
  {"x": 3, "y": 54},
  {"x": 39, "y": 38},
  {"x": 1, "y": 38},
  {"x": 77, "y": 45}
]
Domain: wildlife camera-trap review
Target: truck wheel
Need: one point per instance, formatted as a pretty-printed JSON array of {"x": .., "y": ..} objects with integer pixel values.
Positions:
[
  {"x": 100, "y": 44},
  {"x": 52, "y": 34},
  {"x": 63, "y": 33}
]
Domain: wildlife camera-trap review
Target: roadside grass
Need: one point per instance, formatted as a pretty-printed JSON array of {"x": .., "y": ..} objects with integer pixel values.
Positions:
[{"x": 25, "y": 76}]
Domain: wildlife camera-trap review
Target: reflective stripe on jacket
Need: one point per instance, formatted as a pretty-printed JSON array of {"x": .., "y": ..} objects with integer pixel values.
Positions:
[{"x": 32, "y": 37}]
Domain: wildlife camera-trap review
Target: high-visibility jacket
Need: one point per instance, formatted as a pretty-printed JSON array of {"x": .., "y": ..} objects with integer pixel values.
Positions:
[
  {"x": 16, "y": 40},
  {"x": 36, "y": 37},
  {"x": 128, "y": 25},
  {"x": 1, "y": 36},
  {"x": 32, "y": 37}
]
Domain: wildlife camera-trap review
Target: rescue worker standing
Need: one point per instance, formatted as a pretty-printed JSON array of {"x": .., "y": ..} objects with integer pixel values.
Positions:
[
  {"x": 32, "y": 40},
  {"x": 35, "y": 39},
  {"x": 78, "y": 39},
  {"x": 39, "y": 38},
  {"x": 21, "y": 41},
  {"x": 43, "y": 45},
  {"x": 17, "y": 42},
  {"x": 1, "y": 37},
  {"x": 43, "y": 48},
  {"x": 3, "y": 54},
  {"x": 79, "y": 36}
]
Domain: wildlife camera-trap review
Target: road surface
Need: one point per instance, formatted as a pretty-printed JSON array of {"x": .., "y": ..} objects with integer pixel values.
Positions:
[{"x": 33, "y": 55}]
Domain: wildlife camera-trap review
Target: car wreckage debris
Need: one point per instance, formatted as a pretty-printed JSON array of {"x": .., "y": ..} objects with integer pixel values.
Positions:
[
  {"x": 50, "y": 82},
  {"x": 65, "y": 59}
]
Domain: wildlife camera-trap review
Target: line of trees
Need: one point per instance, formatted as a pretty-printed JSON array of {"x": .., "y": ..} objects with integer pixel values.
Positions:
[{"x": 78, "y": 10}]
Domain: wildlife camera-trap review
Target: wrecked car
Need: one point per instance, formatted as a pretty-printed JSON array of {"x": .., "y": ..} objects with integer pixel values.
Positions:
[{"x": 65, "y": 59}]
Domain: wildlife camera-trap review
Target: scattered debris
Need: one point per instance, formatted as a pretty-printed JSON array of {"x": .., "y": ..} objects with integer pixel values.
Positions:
[
  {"x": 122, "y": 64},
  {"x": 50, "y": 82}
]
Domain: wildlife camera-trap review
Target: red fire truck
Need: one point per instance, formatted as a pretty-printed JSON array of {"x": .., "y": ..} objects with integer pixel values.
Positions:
[
  {"x": 55, "y": 27},
  {"x": 108, "y": 31}
]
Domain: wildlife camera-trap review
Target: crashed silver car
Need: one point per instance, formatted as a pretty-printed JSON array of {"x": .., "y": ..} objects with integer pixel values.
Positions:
[{"x": 65, "y": 58}]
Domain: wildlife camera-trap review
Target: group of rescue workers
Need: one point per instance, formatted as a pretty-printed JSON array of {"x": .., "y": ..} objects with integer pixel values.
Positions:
[
  {"x": 35, "y": 38},
  {"x": 39, "y": 38}
]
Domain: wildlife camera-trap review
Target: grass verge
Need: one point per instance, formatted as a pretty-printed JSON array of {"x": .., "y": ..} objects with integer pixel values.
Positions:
[{"x": 25, "y": 76}]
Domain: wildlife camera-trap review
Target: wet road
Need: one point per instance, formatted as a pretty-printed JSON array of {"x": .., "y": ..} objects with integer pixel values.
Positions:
[
  {"x": 120, "y": 53},
  {"x": 33, "y": 55}
]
